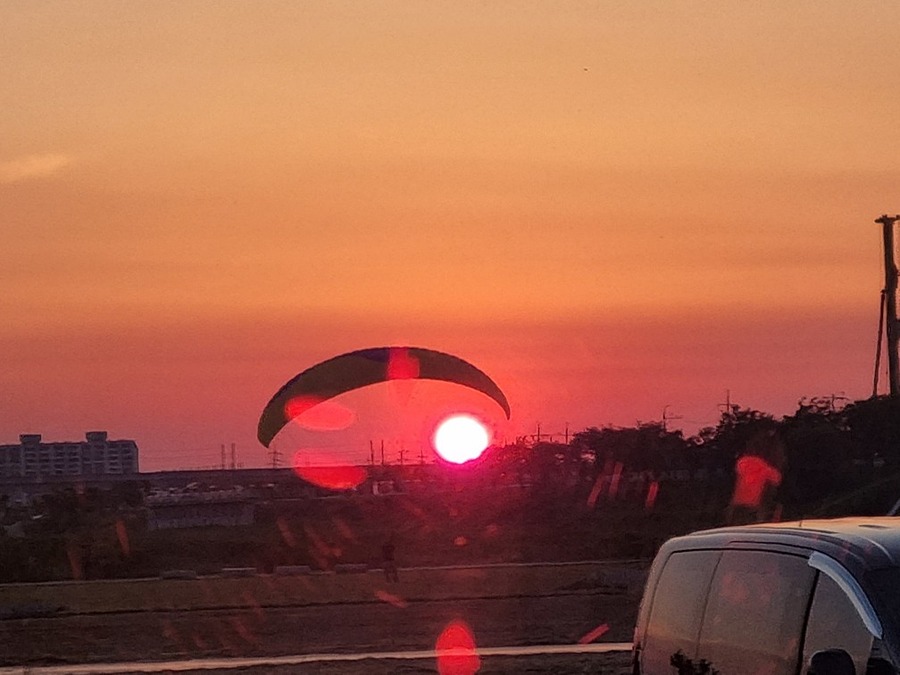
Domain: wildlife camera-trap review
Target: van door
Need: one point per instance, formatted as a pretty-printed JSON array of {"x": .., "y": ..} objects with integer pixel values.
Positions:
[
  {"x": 834, "y": 623},
  {"x": 676, "y": 610},
  {"x": 755, "y": 614}
]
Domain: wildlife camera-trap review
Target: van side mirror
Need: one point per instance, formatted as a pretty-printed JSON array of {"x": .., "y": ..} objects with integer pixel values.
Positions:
[{"x": 831, "y": 662}]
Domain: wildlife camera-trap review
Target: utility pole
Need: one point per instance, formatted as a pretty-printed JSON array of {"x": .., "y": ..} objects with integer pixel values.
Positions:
[
  {"x": 233, "y": 458},
  {"x": 382, "y": 452},
  {"x": 889, "y": 305},
  {"x": 666, "y": 417},
  {"x": 878, "y": 342},
  {"x": 223, "y": 456},
  {"x": 726, "y": 407},
  {"x": 371, "y": 452}
]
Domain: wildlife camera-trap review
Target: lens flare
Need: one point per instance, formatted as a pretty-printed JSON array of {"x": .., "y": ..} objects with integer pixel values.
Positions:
[
  {"x": 317, "y": 414},
  {"x": 461, "y": 438},
  {"x": 318, "y": 468},
  {"x": 592, "y": 635},
  {"x": 456, "y": 651},
  {"x": 402, "y": 365}
]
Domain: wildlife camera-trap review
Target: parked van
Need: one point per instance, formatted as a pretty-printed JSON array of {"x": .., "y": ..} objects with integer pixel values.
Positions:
[{"x": 819, "y": 597}]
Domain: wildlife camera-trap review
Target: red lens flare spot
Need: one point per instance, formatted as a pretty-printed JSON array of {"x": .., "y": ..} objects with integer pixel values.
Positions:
[
  {"x": 286, "y": 533},
  {"x": 652, "y": 492},
  {"x": 590, "y": 636},
  {"x": 316, "y": 468},
  {"x": 74, "y": 555},
  {"x": 391, "y": 599},
  {"x": 402, "y": 371},
  {"x": 595, "y": 491},
  {"x": 754, "y": 476},
  {"x": 319, "y": 415},
  {"x": 241, "y": 629},
  {"x": 122, "y": 535},
  {"x": 776, "y": 514},
  {"x": 456, "y": 654},
  {"x": 460, "y": 541},
  {"x": 298, "y": 405},
  {"x": 614, "y": 482},
  {"x": 402, "y": 365},
  {"x": 460, "y": 439}
]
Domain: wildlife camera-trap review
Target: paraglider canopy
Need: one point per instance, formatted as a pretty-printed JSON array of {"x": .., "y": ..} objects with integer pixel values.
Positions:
[{"x": 363, "y": 368}]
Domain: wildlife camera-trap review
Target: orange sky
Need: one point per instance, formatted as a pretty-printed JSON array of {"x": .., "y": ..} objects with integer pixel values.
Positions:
[{"x": 608, "y": 206}]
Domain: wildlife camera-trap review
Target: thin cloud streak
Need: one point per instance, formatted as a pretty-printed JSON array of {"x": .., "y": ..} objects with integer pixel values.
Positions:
[{"x": 32, "y": 166}]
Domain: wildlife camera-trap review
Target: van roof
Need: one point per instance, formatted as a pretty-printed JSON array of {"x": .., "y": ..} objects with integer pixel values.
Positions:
[{"x": 873, "y": 542}]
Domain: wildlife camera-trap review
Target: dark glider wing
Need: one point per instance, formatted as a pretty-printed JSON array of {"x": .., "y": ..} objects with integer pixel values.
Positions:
[{"x": 363, "y": 368}]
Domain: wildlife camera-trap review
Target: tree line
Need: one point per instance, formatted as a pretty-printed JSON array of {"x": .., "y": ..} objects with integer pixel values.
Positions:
[{"x": 832, "y": 456}]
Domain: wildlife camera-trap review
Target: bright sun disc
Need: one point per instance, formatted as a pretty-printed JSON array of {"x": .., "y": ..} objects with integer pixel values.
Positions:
[{"x": 461, "y": 438}]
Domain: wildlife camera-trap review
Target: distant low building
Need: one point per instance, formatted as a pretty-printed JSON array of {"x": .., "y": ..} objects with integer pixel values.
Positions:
[
  {"x": 94, "y": 456},
  {"x": 231, "y": 513},
  {"x": 227, "y": 508}
]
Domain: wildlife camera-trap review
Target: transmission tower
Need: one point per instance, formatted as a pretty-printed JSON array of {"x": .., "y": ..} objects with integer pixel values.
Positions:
[{"x": 275, "y": 456}]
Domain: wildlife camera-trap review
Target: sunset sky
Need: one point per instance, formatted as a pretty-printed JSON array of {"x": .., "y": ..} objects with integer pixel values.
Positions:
[{"x": 610, "y": 207}]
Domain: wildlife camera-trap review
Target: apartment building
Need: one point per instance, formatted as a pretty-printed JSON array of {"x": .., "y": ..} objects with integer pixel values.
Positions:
[{"x": 96, "y": 455}]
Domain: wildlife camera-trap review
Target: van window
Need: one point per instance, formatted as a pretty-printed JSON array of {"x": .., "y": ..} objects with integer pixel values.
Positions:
[
  {"x": 835, "y": 623},
  {"x": 754, "y": 617},
  {"x": 677, "y": 609}
]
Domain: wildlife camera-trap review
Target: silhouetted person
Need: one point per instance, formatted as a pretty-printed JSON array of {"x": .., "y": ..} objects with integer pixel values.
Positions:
[{"x": 390, "y": 565}]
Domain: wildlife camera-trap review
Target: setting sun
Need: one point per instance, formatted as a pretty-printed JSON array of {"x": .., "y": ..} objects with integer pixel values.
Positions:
[{"x": 461, "y": 438}]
